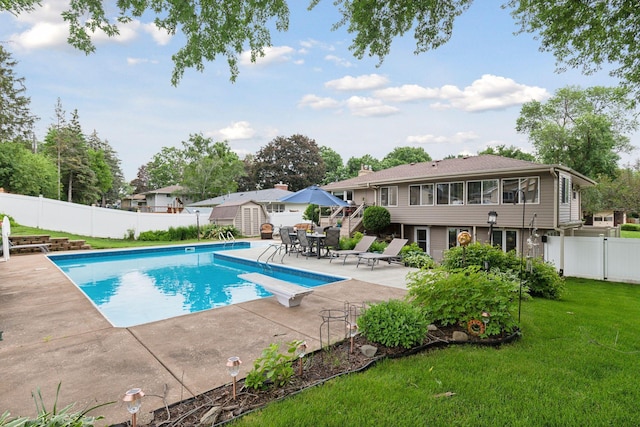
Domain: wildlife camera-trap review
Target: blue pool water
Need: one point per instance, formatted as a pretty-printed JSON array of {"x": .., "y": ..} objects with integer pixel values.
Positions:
[{"x": 132, "y": 287}]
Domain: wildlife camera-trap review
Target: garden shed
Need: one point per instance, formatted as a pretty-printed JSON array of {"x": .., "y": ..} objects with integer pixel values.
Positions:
[{"x": 246, "y": 216}]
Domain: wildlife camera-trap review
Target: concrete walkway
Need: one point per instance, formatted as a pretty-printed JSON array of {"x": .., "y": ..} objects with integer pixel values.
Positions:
[{"x": 53, "y": 334}]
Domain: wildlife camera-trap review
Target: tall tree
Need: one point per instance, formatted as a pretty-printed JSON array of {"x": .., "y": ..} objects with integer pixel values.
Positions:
[
  {"x": 294, "y": 160},
  {"x": 336, "y": 170},
  {"x": 24, "y": 172},
  {"x": 212, "y": 168},
  {"x": 620, "y": 193},
  {"x": 403, "y": 156},
  {"x": 141, "y": 183},
  {"x": 582, "y": 129},
  {"x": 581, "y": 34},
  {"x": 16, "y": 121},
  {"x": 511, "y": 151},
  {"x": 113, "y": 192},
  {"x": 166, "y": 168}
]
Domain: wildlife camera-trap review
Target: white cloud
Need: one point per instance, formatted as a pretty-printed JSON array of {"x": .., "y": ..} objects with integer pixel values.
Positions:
[
  {"x": 237, "y": 130},
  {"x": 346, "y": 83},
  {"x": 318, "y": 103},
  {"x": 159, "y": 35},
  {"x": 41, "y": 36},
  {"x": 275, "y": 54},
  {"x": 366, "y": 107},
  {"x": 136, "y": 61},
  {"x": 457, "y": 138},
  {"x": 338, "y": 61},
  {"x": 406, "y": 93}
]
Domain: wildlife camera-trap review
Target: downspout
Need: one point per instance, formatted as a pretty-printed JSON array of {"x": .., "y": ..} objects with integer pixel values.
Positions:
[{"x": 556, "y": 226}]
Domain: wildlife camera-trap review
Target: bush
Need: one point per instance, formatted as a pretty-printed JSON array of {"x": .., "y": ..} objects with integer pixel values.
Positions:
[
  {"x": 348, "y": 243},
  {"x": 630, "y": 227},
  {"x": 376, "y": 218},
  {"x": 413, "y": 256},
  {"x": 543, "y": 280},
  {"x": 456, "y": 297},
  {"x": 378, "y": 246},
  {"x": 394, "y": 323},
  {"x": 272, "y": 367}
]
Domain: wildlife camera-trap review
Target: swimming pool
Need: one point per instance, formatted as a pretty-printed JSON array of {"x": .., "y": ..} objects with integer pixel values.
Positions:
[{"x": 135, "y": 286}]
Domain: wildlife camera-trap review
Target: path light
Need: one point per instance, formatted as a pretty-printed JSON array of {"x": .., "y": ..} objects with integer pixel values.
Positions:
[
  {"x": 353, "y": 331},
  {"x": 486, "y": 316},
  {"x": 133, "y": 398},
  {"x": 233, "y": 365},
  {"x": 301, "y": 350}
]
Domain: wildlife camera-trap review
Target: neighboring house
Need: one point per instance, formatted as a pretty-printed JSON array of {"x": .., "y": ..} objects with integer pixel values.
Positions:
[
  {"x": 267, "y": 198},
  {"x": 608, "y": 218},
  {"x": 165, "y": 200},
  {"x": 432, "y": 202},
  {"x": 133, "y": 202},
  {"x": 246, "y": 216}
]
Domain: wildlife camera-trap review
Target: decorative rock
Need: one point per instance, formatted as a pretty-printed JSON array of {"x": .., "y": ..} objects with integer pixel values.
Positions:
[
  {"x": 211, "y": 416},
  {"x": 432, "y": 328},
  {"x": 368, "y": 350},
  {"x": 460, "y": 336}
]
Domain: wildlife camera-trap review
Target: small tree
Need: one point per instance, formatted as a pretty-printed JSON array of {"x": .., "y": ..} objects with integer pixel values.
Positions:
[
  {"x": 376, "y": 218},
  {"x": 312, "y": 213}
]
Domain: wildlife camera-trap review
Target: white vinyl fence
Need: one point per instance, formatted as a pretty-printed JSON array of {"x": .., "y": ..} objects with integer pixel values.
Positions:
[
  {"x": 602, "y": 258},
  {"x": 89, "y": 220}
]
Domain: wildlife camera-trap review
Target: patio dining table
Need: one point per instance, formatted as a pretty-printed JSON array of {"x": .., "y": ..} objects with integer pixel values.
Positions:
[{"x": 319, "y": 239}]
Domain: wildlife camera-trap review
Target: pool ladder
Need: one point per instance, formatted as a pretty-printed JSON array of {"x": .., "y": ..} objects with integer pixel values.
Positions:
[{"x": 228, "y": 238}]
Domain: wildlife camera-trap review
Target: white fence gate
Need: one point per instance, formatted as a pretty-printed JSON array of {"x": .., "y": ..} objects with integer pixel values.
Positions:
[{"x": 602, "y": 258}]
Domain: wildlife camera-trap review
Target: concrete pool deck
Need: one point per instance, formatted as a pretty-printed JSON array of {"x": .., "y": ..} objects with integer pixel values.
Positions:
[{"x": 52, "y": 334}]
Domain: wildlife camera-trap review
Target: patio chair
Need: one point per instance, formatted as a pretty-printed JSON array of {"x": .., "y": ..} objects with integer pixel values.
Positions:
[
  {"x": 332, "y": 241},
  {"x": 304, "y": 244},
  {"x": 361, "y": 247},
  {"x": 390, "y": 253}
]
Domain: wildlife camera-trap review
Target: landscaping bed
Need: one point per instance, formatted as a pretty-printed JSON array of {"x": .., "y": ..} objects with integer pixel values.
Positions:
[{"x": 218, "y": 406}]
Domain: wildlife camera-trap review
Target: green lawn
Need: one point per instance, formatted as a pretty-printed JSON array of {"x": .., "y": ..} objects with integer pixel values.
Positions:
[
  {"x": 630, "y": 234},
  {"x": 577, "y": 364}
]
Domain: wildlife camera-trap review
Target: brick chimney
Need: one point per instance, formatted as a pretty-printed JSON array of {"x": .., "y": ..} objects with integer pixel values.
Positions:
[
  {"x": 281, "y": 186},
  {"x": 365, "y": 170}
]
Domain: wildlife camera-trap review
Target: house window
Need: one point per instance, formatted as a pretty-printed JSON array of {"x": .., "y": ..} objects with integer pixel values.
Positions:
[
  {"x": 451, "y": 193},
  {"x": 275, "y": 207},
  {"x": 564, "y": 190},
  {"x": 505, "y": 239},
  {"x": 389, "y": 196},
  {"x": 343, "y": 195},
  {"x": 513, "y": 189},
  {"x": 483, "y": 192},
  {"x": 421, "y": 195}
]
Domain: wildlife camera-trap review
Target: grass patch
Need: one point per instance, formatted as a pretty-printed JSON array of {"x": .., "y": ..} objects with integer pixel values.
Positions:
[
  {"x": 628, "y": 234},
  {"x": 576, "y": 365}
]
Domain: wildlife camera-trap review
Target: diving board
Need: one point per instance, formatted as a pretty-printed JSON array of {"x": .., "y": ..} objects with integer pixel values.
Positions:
[{"x": 288, "y": 294}]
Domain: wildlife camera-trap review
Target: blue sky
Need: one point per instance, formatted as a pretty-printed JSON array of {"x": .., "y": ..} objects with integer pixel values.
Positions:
[{"x": 460, "y": 98}]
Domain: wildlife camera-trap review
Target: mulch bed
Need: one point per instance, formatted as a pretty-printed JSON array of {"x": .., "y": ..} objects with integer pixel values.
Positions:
[{"x": 318, "y": 367}]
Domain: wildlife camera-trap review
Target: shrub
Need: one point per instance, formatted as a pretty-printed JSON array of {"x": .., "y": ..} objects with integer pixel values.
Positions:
[
  {"x": 349, "y": 243},
  {"x": 377, "y": 246},
  {"x": 394, "y": 323},
  {"x": 418, "y": 260},
  {"x": 543, "y": 280},
  {"x": 630, "y": 227},
  {"x": 272, "y": 367},
  {"x": 154, "y": 236},
  {"x": 452, "y": 297},
  {"x": 376, "y": 218}
]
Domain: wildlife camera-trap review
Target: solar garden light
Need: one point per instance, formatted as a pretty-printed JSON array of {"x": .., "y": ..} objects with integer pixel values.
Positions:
[
  {"x": 233, "y": 365},
  {"x": 301, "y": 350},
  {"x": 486, "y": 316},
  {"x": 133, "y": 398},
  {"x": 353, "y": 331}
]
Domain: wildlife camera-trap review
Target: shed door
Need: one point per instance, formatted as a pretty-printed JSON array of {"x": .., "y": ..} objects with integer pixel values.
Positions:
[{"x": 250, "y": 220}]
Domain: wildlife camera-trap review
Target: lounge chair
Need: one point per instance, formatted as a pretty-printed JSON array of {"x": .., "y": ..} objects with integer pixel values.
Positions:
[
  {"x": 361, "y": 247},
  {"x": 391, "y": 252}
]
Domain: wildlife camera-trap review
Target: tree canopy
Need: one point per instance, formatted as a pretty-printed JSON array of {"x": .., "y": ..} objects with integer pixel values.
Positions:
[
  {"x": 405, "y": 155},
  {"x": 16, "y": 121},
  {"x": 583, "y": 129},
  {"x": 511, "y": 151},
  {"x": 582, "y": 35}
]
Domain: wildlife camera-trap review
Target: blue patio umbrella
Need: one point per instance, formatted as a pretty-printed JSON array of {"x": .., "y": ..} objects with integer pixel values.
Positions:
[{"x": 314, "y": 195}]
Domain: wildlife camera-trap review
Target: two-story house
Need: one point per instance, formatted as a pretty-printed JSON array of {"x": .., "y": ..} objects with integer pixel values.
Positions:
[{"x": 432, "y": 202}]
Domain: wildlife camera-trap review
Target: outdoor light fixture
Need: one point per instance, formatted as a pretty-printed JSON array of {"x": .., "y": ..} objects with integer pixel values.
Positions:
[
  {"x": 301, "y": 350},
  {"x": 353, "y": 331},
  {"x": 486, "y": 316},
  {"x": 233, "y": 365},
  {"x": 492, "y": 220},
  {"x": 133, "y": 398},
  {"x": 198, "y": 223}
]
